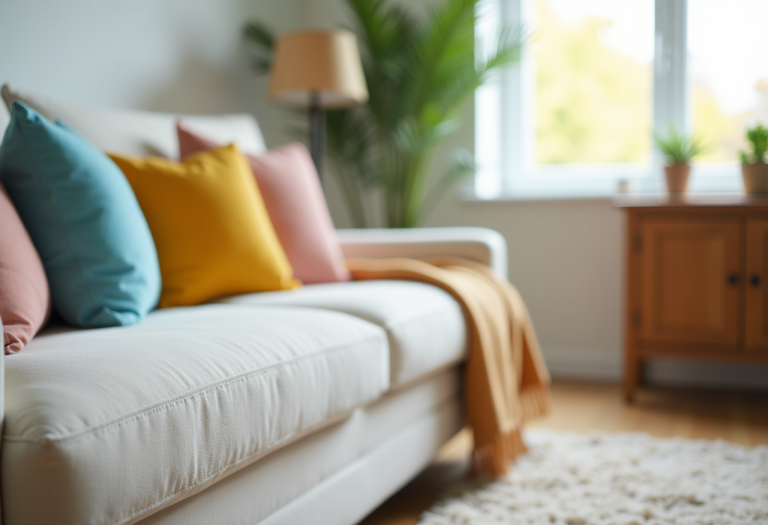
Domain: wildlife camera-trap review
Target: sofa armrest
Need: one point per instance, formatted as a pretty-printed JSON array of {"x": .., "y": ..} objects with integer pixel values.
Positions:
[{"x": 477, "y": 244}]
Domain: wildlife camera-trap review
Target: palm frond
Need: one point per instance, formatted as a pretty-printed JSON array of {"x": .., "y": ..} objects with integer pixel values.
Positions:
[
  {"x": 263, "y": 39},
  {"x": 350, "y": 138},
  {"x": 419, "y": 73},
  {"x": 507, "y": 50},
  {"x": 439, "y": 114},
  {"x": 385, "y": 33},
  {"x": 415, "y": 136},
  {"x": 462, "y": 165},
  {"x": 443, "y": 48},
  {"x": 383, "y": 28}
]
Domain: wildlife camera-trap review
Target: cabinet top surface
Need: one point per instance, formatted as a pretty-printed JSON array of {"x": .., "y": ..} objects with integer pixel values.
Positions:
[{"x": 690, "y": 201}]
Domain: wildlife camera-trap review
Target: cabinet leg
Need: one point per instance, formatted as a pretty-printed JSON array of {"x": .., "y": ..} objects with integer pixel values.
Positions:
[{"x": 631, "y": 377}]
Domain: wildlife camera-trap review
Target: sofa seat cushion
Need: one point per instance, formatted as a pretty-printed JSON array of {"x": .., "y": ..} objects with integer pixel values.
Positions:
[
  {"x": 424, "y": 324},
  {"x": 107, "y": 426}
]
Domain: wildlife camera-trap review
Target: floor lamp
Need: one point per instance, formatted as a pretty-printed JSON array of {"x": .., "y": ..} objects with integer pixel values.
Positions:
[{"x": 317, "y": 70}]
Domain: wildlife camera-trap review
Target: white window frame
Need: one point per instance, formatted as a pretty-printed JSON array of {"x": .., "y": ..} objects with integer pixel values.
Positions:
[{"x": 505, "y": 130}]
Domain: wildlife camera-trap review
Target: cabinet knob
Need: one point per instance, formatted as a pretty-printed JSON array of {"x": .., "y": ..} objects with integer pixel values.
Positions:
[
  {"x": 733, "y": 279},
  {"x": 754, "y": 280}
]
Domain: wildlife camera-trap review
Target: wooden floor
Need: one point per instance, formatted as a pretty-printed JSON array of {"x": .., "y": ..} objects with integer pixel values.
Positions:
[{"x": 740, "y": 417}]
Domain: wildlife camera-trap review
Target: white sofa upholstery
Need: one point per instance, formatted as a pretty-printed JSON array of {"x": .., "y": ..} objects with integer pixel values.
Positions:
[
  {"x": 138, "y": 417},
  {"x": 475, "y": 244},
  {"x": 307, "y": 406},
  {"x": 424, "y": 325},
  {"x": 133, "y": 132}
]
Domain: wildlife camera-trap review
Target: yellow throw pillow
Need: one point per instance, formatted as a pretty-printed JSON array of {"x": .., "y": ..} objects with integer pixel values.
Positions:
[{"x": 213, "y": 234}]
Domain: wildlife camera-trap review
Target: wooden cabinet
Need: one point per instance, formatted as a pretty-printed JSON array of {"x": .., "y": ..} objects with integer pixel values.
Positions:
[
  {"x": 689, "y": 288},
  {"x": 756, "y": 312},
  {"x": 696, "y": 281}
]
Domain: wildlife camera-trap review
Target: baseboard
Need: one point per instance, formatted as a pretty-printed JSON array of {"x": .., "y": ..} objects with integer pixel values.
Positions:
[
  {"x": 607, "y": 367},
  {"x": 710, "y": 374}
]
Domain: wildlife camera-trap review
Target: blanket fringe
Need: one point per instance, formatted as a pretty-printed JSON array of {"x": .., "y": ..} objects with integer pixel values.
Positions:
[
  {"x": 535, "y": 402},
  {"x": 493, "y": 458}
]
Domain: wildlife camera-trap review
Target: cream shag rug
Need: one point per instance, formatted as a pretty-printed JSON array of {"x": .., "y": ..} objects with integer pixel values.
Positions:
[{"x": 617, "y": 479}]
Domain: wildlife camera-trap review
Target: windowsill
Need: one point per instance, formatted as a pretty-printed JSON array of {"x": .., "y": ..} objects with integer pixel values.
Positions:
[
  {"x": 576, "y": 187},
  {"x": 468, "y": 194}
]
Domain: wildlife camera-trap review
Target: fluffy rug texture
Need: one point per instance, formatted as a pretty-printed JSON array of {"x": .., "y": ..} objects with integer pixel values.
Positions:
[{"x": 617, "y": 479}]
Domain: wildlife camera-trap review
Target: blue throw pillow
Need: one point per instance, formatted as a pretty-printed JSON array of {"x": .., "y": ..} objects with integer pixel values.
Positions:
[{"x": 84, "y": 220}]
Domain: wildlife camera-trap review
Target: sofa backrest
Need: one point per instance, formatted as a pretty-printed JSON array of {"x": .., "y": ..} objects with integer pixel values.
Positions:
[{"x": 141, "y": 133}]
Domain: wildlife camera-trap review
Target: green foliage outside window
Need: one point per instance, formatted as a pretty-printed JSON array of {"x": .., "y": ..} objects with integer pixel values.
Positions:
[{"x": 594, "y": 104}]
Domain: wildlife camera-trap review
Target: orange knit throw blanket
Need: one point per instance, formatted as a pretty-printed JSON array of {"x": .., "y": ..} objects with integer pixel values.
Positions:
[{"x": 506, "y": 380}]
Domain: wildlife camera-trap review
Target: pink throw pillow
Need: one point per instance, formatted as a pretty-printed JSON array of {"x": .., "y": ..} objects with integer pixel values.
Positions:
[
  {"x": 25, "y": 300},
  {"x": 295, "y": 202}
]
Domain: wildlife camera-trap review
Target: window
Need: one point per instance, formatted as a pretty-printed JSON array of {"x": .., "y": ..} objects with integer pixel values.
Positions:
[
  {"x": 594, "y": 75},
  {"x": 727, "y": 42},
  {"x": 576, "y": 116}
]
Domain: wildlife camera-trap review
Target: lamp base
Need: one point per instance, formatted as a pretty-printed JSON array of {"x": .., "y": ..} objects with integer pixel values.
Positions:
[{"x": 317, "y": 137}]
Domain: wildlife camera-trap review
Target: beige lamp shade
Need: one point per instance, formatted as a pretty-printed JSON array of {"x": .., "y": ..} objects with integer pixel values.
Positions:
[{"x": 323, "y": 62}]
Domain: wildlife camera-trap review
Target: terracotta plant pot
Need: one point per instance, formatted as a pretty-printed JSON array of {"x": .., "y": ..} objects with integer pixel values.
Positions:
[
  {"x": 677, "y": 178},
  {"x": 755, "y": 178}
]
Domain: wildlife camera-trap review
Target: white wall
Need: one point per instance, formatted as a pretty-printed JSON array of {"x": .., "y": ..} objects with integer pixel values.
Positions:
[
  {"x": 165, "y": 55},
  {"x": 189, "y": 56},
  {"x": 566, "y": 260}
]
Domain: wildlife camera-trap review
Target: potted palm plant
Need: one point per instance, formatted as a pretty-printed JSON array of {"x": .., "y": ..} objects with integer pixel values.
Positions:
[
  {"x": 678, "y": 150},
  {"x": 420, "y": 71},
  {"x": 754, "y": 170}
]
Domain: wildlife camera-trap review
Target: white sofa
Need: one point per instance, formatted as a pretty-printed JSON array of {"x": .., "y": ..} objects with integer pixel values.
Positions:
[{"x": 309, "y": 406}]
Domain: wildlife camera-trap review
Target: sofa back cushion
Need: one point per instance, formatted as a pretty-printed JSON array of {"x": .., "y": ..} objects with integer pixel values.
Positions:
[
  {"x": 291, "y": 189},
  {"x": 24, "y": 297},
  {"x": 84, "y": 220},
  {"x": 212, "y": 231},
  {"x": 140, "y": 132}
]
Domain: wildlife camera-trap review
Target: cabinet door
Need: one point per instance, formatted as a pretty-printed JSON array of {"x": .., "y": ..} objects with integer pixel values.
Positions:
[
  {"x": 757, "y": 287},
  {"x": 690, "y": 282}
]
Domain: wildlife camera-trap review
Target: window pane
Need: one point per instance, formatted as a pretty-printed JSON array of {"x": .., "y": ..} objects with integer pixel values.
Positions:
[
  {"x": 728, "y": 44},
  {"x": 593, "y": 81}
]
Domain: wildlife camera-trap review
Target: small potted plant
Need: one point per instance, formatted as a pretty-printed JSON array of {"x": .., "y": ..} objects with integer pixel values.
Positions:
[
  {"x": 678, "y": 150},
  {"x": 753, "y": 166}
]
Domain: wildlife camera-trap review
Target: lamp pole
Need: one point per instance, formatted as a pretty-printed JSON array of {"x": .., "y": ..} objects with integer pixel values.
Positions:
[
  {"x": 323, "y": 66},
  {"x": 317, "y": 123}
]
